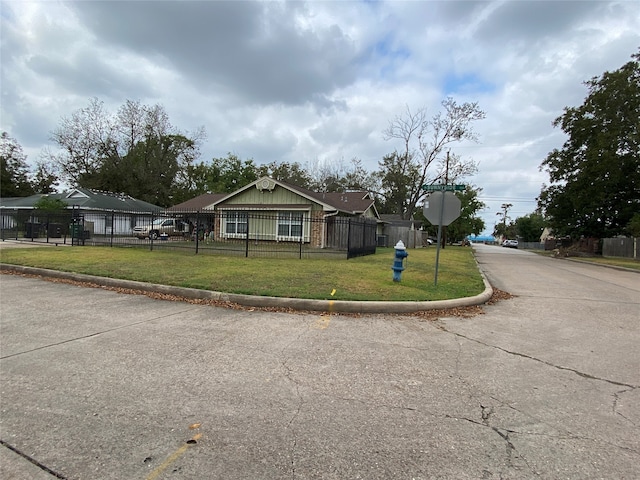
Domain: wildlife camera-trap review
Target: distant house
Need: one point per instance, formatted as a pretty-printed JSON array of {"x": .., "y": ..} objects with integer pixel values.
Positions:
[
  {"x": 98, "y": 209},
  {"x": 546, "y": 234},
  {"x": 280, "y": 211},
  {"x": 85, "y": 199}
]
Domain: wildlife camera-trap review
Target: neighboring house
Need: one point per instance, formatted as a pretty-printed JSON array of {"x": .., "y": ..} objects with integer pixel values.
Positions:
[
  {"x": 103, "y": 212},
  {"x": 279, "y": 211},
  {"x": 546, "y": 234},
  {"x": 201, "y": 202}
]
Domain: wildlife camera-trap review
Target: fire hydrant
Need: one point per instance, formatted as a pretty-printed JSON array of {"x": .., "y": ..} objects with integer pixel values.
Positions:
[{"x": 401, "y": 254}]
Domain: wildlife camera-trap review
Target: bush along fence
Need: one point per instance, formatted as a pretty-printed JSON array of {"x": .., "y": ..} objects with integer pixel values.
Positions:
[{"x": 244, "y": 233}]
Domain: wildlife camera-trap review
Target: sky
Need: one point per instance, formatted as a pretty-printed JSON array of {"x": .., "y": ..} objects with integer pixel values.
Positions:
[{"x": 319, "y": 81}]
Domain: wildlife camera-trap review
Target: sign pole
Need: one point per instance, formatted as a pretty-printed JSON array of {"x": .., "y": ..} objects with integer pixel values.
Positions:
[
  {"x": 441, "y": 214},
  {"x": 435, "y": 280}
]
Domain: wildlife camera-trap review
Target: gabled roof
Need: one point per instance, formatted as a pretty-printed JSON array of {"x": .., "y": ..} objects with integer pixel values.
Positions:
[
  {"x": 87, "y": 199},
  {"x": 396, "y": 220},
  {"x": 21, "y": 202},
  {"x": 347, "y": 202},
  {"x": 201, "y": 202},
  {"x": 99, "y": 200}
]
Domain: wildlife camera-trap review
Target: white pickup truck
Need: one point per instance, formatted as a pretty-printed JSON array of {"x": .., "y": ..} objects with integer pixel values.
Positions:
[{"x": 162, "y": 226}]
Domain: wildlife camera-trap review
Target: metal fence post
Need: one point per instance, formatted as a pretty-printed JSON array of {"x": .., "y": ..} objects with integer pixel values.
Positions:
[
  {"x": 348, "y": 238},
  {"x": 112, "y": 223},
  {"x": 301, "y": 236},
  {"x": 150, "y": 234},
  {"x": 46, "y": 224},
  {"x": 197, "y": 232},
  {"x": 246, "y": 241}
]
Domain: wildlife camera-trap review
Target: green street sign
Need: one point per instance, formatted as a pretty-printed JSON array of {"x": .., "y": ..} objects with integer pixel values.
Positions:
[{"x": 445, "y": 188}]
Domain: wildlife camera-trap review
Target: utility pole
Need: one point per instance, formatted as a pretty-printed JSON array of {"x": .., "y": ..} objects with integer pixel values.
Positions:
[{"x": 505, "y": 207}]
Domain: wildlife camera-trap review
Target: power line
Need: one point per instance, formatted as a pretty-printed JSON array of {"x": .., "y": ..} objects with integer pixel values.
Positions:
[{"x": 514, "y": 199}]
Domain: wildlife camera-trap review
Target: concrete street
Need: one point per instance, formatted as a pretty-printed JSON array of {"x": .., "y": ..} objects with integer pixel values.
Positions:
[{"x": 100, "y": 385}]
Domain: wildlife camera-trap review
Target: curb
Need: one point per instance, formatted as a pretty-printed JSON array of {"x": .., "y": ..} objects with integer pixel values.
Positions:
[{"x": 331, "y": 306}]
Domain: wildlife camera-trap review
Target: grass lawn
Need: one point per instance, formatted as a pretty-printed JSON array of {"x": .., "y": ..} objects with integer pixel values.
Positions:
[
  {"x": 362, "y": 278},
  {"x": 614, "y": 262},
  {"x": 611, "y": 261}
]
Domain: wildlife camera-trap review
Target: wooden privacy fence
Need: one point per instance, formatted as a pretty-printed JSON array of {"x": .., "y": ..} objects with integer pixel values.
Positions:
[
  {"x": 355, "y": 234},
  {"x": 626, "y": 247}
]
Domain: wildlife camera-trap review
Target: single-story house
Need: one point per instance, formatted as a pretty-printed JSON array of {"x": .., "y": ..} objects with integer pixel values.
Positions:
[
  {"x": 279, "y": 211},
  {"x": 97, "y": 208}
]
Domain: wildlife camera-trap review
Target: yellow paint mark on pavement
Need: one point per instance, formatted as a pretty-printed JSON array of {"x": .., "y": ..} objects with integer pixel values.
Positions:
[
  {"x": 323, "y": 322},
  {"x": 325, "y": 318},
  {"x": 174, "y": 456}
]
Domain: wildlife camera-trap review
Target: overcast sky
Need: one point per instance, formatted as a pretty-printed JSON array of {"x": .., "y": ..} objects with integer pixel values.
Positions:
[{"x": 319, "y": 81}]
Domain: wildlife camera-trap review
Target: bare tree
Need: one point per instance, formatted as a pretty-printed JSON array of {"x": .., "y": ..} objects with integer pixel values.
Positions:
[
  {"x": 137, "y": 151},
  {"x": 339, "y": 175},
  {"x": 420, "y": 160},
  {"x": 84, "y": 138}
]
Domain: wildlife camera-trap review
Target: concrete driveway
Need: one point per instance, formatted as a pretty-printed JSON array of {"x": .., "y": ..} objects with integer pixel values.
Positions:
[{"x": 96, "y": 384}]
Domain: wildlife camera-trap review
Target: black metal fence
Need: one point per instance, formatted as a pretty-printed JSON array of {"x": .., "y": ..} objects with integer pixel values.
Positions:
[{"x": 232, "y": 232}]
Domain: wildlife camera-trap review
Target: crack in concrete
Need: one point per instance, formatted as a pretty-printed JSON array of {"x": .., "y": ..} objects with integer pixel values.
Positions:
[
  {"x": 288, "y": 374},
  {"x": 544, "y": 362},
  {"x": 616, "y": 399},
  {"x": 33, "y": 461},
  {"x": 567, "y": 436},
  {"x": 510, "y": 448},
  {"x": 486, "y": 413},
  {"x": 95, "y": 334}
]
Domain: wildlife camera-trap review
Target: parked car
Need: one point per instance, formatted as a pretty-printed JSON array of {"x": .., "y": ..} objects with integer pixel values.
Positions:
[
  {"x": 510, "y": 243},
  {"x": 162, "y": 226}
]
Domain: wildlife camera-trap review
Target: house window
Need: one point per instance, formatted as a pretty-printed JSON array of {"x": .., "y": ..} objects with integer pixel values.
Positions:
[
  {"x": 236, "y": 223},
  {"x": 290, "y": 224}
]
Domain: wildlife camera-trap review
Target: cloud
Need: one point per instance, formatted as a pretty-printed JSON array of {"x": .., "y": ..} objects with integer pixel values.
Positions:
[{"x": 257, "y": 52}]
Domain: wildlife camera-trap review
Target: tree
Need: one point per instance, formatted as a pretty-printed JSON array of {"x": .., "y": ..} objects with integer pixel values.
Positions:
[
  {"x": 633, "y": 228},
  {"x": 403, "y": 172},
  {"x": 228, "y": 174},
  {"x": 137, "y": 151},
  {"x": 50, "y": 205},
  {"x": 595, "y": 176},
  {"x": 530, "y": 227},
  {"x": 85, "y": 139},
  {"x": 468, "y": 222},
  {"x": 339, "y": 176},
  {"x": 398, "y": 177},
  {"x": 191, "y": 181},
  {"x": 502, "y": 229},
  {"x": 44, "y": 178},
  {"x": 292, "y": 173},
  {"x": 14, "y": 171}
]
